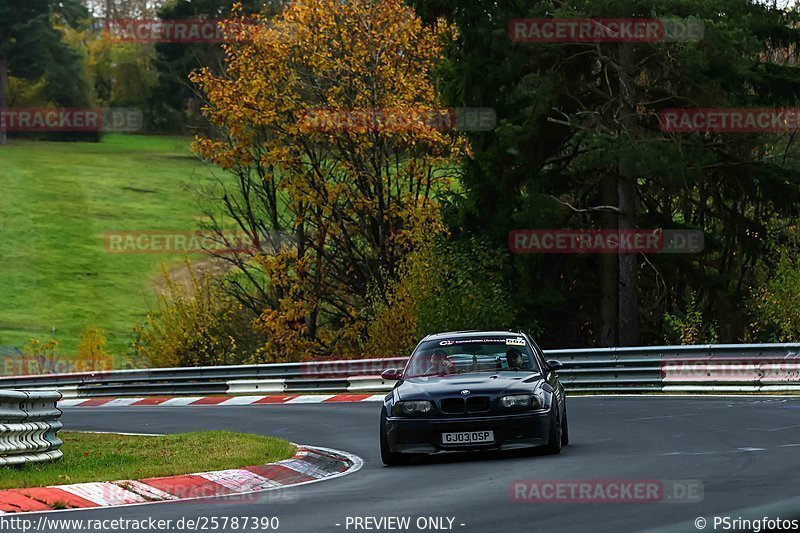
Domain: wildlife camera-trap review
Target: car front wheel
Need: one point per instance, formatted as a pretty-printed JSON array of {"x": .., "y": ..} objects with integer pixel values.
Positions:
[
  {"x": 554, "y": 440},
  {"x": 388, "y": 457}
]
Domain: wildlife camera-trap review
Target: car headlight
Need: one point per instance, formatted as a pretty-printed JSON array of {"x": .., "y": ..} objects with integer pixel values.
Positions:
[
  {"x": 412, "y": 408},
  {"x": 520, "y": 401}
]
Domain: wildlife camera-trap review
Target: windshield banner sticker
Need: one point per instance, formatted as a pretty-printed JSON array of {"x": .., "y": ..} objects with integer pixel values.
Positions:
[{"x": 508, "y": 342}]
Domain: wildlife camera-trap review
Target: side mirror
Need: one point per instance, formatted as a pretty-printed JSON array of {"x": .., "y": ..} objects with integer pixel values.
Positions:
[
  {"x": 555, "y": 364},
  {"x": 391, "y": 374}
]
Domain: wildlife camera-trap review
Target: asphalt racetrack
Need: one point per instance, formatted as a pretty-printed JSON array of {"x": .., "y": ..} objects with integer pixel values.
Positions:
[{"x": 744, "y": 451}]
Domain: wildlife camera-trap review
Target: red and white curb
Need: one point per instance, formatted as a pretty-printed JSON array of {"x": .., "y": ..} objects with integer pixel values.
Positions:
[
  {"x": 220, "y": 400},
  {"x": 309, "y": 465},
  {"x": 195, "y": 401}
]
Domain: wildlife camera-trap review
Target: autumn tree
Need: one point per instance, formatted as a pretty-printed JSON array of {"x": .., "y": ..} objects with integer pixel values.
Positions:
[
  {"x": 328, "y": 117},
  {"x": 92, "y": 354}
]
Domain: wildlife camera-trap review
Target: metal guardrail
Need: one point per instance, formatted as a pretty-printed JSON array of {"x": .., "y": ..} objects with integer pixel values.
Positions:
[
  {"x": 696, "y": 368},
  {"x": 29, "y": 425},
  {"x": 715, "y": 368},
  {"x": 317, "y": 376}
]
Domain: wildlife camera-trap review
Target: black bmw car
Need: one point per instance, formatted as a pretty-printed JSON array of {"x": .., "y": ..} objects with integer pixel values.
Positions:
[{"x": 473, "y": 390}]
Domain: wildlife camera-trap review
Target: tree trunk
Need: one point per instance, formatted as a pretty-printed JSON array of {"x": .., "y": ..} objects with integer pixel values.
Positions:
[
  {"x": 3, "y": 89},
  {"x": 628, "y": 323},
  {"x": 609, "y": 271},
  {"x": 628, "y": 265}
]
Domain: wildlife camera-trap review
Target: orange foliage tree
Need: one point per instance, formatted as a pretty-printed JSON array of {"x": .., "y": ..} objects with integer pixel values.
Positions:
[
  {"x": 328, "y": 117},
  {"x": 92, "y": 354}
]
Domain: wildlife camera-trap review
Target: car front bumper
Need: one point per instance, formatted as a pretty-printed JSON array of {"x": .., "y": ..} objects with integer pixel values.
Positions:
[{"x": 511, "y": 431}]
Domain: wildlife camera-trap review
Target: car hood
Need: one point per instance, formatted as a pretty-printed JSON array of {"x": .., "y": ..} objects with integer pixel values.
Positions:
[{"x": 432, "y": 387}]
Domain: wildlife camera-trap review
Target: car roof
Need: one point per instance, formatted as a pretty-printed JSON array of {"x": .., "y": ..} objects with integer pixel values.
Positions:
[{"x": 472, "y": 333}]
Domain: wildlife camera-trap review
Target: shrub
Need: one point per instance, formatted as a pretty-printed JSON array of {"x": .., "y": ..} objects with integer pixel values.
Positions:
[
  {"x": 777, "y": 302},
  {"x": 688, "y": 326},
  {"x": 194, "y": 324},
  {"x": 92, "y": 354},
  {"x": 443, "y": 286}
]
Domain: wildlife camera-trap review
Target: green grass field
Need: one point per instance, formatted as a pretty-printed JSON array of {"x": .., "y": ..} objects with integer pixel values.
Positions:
[
  {"x": 105, "y": 457},
  {"x": 59, "y": 200}
]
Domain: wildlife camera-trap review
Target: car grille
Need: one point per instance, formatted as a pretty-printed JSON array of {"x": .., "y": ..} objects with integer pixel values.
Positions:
[
  {"x": 452, "y": 406},
  {"x": 478, "y": 404},
  {"x": 457, "y": 406}
]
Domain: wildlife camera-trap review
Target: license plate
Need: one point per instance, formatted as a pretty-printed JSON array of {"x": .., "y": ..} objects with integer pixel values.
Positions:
[{"x": 468, "y": 437}]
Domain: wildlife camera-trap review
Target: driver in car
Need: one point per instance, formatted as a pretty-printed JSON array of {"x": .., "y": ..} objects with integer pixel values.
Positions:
[
  {"x": 440, "y": 364},
  {"x": 515, "y": 359}
]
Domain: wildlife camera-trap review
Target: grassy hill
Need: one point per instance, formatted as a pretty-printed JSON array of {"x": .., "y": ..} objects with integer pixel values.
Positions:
[{"x": 58, "y": 201}]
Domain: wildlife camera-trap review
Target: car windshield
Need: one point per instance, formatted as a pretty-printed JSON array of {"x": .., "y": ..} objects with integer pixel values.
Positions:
[{"x": 460, "y": 355}]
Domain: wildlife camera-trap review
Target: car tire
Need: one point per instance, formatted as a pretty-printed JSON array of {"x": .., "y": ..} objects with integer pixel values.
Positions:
[
  {"x": 388, "y": 457},
  {"x": 553, "y": 446},
  {"x": 565, "y": 429}
]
